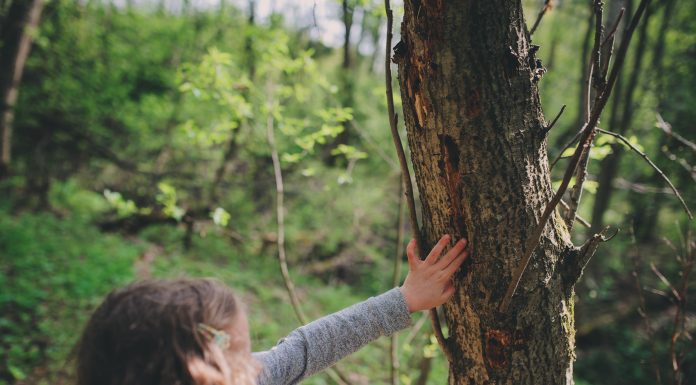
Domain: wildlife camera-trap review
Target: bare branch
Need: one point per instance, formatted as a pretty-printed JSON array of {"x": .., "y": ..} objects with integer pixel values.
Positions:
[
  {"x": 578, "y": 218},
  {"x": 587, "y": 135},
  {"x": 609, "y": 41},
  {"x": 553, "y": 122},
  {"x": 576, "y": 190},
  {"x": 596, "y": 51},
  {"x": 682, "y": 162},
  {"x": 664, "y": 280},
  {"x": 667, "y": 128},
  {"x": 643, "y": 311},
  {"x": 396, "y": 278},
  {"x": 334, "y": 372},
  {"x": 640, "y": 188},
  {"x": 610, "y": 36},
  {"x": 280, "y": 219},
  {"x": 581, "y": 256},
  {"x": 373, "y": 143},
  {"x": 406, "y": 174},
  {"x": 596, "y": 77},
  {"x": 415, "y": 329},
  {"x": 567, "y": 146},
  {"x": 548, "y": 5},
  {"x": 653, "y": 165}
]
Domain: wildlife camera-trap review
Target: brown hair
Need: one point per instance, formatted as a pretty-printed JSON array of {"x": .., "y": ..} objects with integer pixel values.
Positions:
[{"x": 147, "y": 333}]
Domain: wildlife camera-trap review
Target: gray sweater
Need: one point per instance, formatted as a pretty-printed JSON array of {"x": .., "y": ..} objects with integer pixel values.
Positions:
[{"x": 322, "y": 343}]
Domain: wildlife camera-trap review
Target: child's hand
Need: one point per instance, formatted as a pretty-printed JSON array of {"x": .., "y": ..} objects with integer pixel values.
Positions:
[{"x": 429, "y": 282}]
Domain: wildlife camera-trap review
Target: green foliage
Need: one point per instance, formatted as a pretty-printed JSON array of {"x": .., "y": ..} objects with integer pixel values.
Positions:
[
  {"x": 53, "y": 273},
  {"x": 124, "y": 207}
]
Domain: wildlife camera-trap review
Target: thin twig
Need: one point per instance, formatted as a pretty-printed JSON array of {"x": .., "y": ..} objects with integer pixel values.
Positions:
[
  {"x": 612, "y": 32},
  {"x": 682, "y": 162},
  {"x": 610, "y": 39},
  {"x": 334, "y": 372},
  {"x": 415, "y": 329},
  {"x": 553, "y": 122},
  {"x": 373, "y": 143},
  {"x": 280, "y": 219},
  {"x": 588, "y": 132},
  {"x": 621, "y": 183},
  {"x": 396, "y": 279},
  {"x": 596, "y": 78},
  {"x": 667, "y": 128},
  {"x": 653, "y": 165},
  {"x": 577, "y": 260},
  {"x": 643, "y": 312},
  {"x": 597, "y": 50},
  {"x": 687, "y": 262},
  {"x": 548, "y": 4},
  {"x": 578, "y": 218},
  {"x": 567, "y": 146},
  {"x": 664, "y": 280},
  {"x": 406, "y": 175}
]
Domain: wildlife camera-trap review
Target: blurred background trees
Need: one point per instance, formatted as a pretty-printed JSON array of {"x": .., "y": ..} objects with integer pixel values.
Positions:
[{"x": 138, "y": 149}]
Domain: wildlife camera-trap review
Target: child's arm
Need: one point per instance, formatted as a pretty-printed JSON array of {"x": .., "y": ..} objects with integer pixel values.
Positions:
[{"x": 322, "y": 343}]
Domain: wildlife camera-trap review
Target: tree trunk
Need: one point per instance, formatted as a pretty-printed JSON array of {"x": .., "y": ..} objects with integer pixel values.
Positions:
[
  {"x": 346, "y": 79},
  {"x": 347, "y": 26},
  {"x": 232, "y": 148},
  {"x": 15, "y": 40},
  {"x": 475, "y": 130},
  {"x": 646, "y": 209}
]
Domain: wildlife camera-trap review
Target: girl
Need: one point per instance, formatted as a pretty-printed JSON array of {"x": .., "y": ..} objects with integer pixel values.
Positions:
[{"x": 194, "y": 331}]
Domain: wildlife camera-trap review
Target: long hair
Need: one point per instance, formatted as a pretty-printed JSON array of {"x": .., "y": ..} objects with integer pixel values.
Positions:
[{"x": 148, "y": 333}]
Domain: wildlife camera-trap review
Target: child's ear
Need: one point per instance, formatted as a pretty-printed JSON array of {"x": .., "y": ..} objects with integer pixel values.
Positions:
[{"x": 204, "y": 373}]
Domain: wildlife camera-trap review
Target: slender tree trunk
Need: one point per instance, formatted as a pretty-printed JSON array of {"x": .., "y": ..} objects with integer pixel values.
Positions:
[
  {"x": 582, "y": 86},
  {"x": 347, "y": 26},
  {"x": 16, "y": 38},
  {"x": 347, "y": 85},
  {"x": 375, "y": 38},
  {"x": 232, "y": 147},
  {"x": 347, "y": 73},
  {"x": 646, "y": 208},
  {"x": 475, "y": 130}
]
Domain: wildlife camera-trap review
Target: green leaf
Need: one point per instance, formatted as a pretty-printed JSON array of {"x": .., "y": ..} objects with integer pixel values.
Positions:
[
  {"x": 220, "y": 217},
  {"x": 568, "y": 152},
  {"x": 16, "y": 372}
]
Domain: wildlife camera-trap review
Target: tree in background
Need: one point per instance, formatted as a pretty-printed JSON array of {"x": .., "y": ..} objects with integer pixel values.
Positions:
[{"x": 16, "y": 35}]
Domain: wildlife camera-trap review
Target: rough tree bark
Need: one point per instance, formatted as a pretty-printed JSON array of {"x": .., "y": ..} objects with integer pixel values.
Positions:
[
  {"x": 476, "y": 133},
  {"x": 15, "y": 43}
]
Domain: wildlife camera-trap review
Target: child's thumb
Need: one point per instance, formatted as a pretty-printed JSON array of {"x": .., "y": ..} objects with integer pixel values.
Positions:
[{"x": 411, "y": 254}]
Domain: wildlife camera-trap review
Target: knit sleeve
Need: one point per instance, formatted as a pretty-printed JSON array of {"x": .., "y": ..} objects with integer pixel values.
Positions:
[{"x": 320, "y": 344}]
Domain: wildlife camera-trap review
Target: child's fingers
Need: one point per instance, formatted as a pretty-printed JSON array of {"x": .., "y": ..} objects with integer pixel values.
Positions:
[
  {"x": 412, "y": 253},
  {"x": 437, "y": 249},
  {"x": 452, "y": 268},
  {"x": 452, "y": 254}
]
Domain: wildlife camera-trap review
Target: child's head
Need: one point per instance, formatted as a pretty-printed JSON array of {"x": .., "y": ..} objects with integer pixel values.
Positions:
[{"x": 164, "y": 333}]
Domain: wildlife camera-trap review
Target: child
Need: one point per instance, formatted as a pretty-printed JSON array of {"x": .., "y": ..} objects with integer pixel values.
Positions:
[{"x": 194, "y": 331}]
